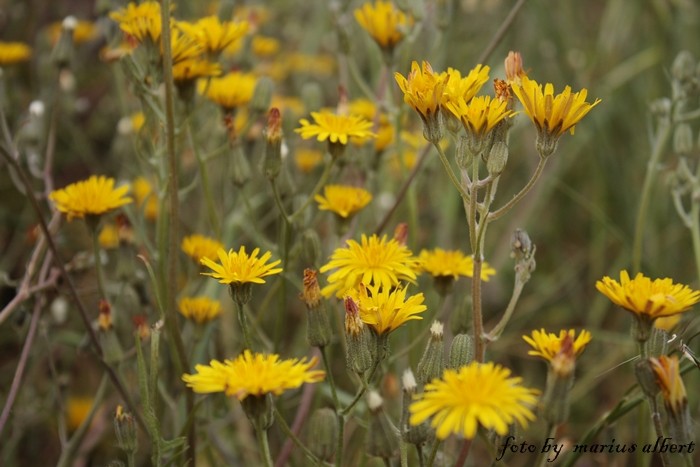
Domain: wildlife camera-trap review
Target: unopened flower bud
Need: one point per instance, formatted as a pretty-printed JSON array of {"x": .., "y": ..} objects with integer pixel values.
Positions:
[
  {"x": 360, "y": 345},
  {"x": 382, "y": 437},
  {"x": 323, "y": 433},
  {"x": 401, "y": 233},
  {"x": 104, "y": 319},
  {"x": 683, "y": 66},
  {"x": 683, "y": 139},
  {"x": 497, "y": 158},
  {"x": 461, "y": 351},
  {"x": 432, "y": 363},
  {"x": 414, "y": 434},
  {"x": 273, "y": 144},
  {"x": 125, "y": 429},
  {"x": 645, "y": 377},
  {"x": 318, "y": 327},
  {"x": 668, "y": 379},
  {"x": 262, "y": 95},
  {"x": 523, "y": 250},
  {"x": 463, "y": 153},
  {"x": 514, "y": 67},
  {"x": 63, "y": 51}
]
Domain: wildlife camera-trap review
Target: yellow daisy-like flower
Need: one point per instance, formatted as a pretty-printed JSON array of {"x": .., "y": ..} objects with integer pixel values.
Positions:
[
  {"x": 264, "y": 46},
  {"x": 140, "y": 21},
  {"x": 253, "y": 374},
  {"x": 307, "y": 159},
  {"x": 548, "y": 345},
  {"x": 439, "y": 262},
  {"x": 109, "y": 237},
  {"x": 668, "y": 377},
  {"x": 199, "y": 309},
  {"x": 373, "y": 261},
  {"x": 213, "y": 35},
  {"x": 239, "y": 267},
  {"x": 384, "y": 22},
  {"x": 189, "y": 70},
  {"x": 184, "y": 47},
  {"x": 145, "y": 197},
  {"x": 650, "y": 299},
  {"x": 198, "y": 246},
  {"x": 477, "y": 394},
  {"x": 91, "y": 197},
  {"x": 386, "y": 309},
  {"x": 422, "y": 89},
  {"x": 552, "y": 115},
  {"x": 335, "y": 128},
  {"x": 458, "y": 87},
  {"x": 77, "y": 410},
  {"x": 232, "y": 90},
  {"x": 137, "y": 120},
  {"x": 14, "y": 52},
  {"x": 344, "y": 200},
  {"x": 481, "y": 114}
]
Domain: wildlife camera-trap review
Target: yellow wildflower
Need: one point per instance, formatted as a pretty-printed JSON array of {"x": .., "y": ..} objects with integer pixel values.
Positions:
[
  {"x": 335, "y": 128},
  {"x": 384, "y": 22},
  {"x": 232, "y": 90},
  {"x": 212, "y": 34},
  {"x": 480, "y": 115},
  {"x": 140, "y": 22},
  {"x": 14, "y": 52},
  {"x": 198, "y": 246},
  {"x": 344, "y": 200},
  {"x": 201, "y": 310},
  {"x": 91, "y": 197},
  {"x": 386, "y": 309},
  {"x": 239, "y": 267},
  {"x": 458, "y": 87},
  {"x": 264, "y": 46},
  {"x": 439, "y": 262},
  {"x": 307, "y": 159},
  {"x": 548, "y": 345},
  {"x": 146, "y": 199},
  {"x": 422, "y": 89},
  {"x": 109, "y": 237}
]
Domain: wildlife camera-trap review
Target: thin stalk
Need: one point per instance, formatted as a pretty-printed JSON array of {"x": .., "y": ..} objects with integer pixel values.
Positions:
[
  {"x": 264, "y": 446},
  {"x": 433, "y": 452},
  {"x": 649, "y": 178},
  {"x": 475, "y": 227},
  {"x": 500, "y": 34},
  {"x": 278, "y": 202},
  {"x": 329, "y": 376},
  {"x": 206, "y": 186},
  {"x": 243, "y": 321},
  {"x": 288, "y": 431},
  {"x": 498, "y": 329},
  {"x": 98, "y": 264},
  {"x": 450, "y": 173},
  {"x": 695, "y": 231},
  {"x": 521, "y": 194},
  {"x": 463, "y": 453},
  {"x": 323, "y": 179}
]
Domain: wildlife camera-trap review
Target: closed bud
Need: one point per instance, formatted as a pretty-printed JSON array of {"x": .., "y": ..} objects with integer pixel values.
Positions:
[
  {"x": 461, "y": 351},
  {"x": 463, "y": 154},
  {"x": 645, "y": 377},
  {"x": 318, "y": 331},
  {"x": 323, "y": 434},
  {"x": 514, "y": 67},
  {"x": 240, "y": 167},
  {"x": 497, "y": 158},
  {"x": 683, "y": 66},
  {"x": 273, "y": 144},
  {"x": 669, "y": 381},
  {"x": 432, "y": 363},
  {"x": 401, "y": 233},
  {"x": 413, "y": 434},
  {"x": 683, "y": 139},
  {"x": 262, "y": 95},
  {"x": 382, "y": 437},
  {"x": 360, "y": 345},
  {"x": 125, "y": 429},
  {"x": 63, "y": 50},
  {"x": 523, "y": 250}
]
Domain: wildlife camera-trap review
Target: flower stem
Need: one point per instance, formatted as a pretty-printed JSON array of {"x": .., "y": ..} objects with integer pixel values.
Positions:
[
  {"x": 433, "y": 452},
  {"x": 463, "y": 453},
  {"x": 498, "y": 329},
  {"x": 264, "y": 446},
  {"x": 321, "y": 182},
  {"x": 98, "y": 264},
  {"x": 243, "y": 321},
  {"x": 521, "y": 194},
  {"x": 288, "y": 431},
  {"x": 450, "y": 173}
]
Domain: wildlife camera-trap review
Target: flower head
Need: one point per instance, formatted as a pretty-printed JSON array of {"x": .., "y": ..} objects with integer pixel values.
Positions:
[
  {"x": 385, "y": 309},
  {"x": 477, "y": 394},
  {"x": 335, "y": 128},
  {"x": 344, "y": 200},
  {"x": 648, "y": 298},
  {"x": 253, "y": 374},
  {"x": 668, "y": 377},
  {"x": 140, "y": 22},
  {"x": 198, "y": 246},
  {"x": 307, "y": 159},
  {"x": 145, "y": 197},
  {"x": 14, "y": 52},
  {"x": 213, "y": 35},
  {"x": 84, "y": 31},
  {"x": 384, "y": 22},
  {"x": 239, "y": 267},
  {"x": 91, "y": 197},
  {"x": 548, "y": 345},
  {"x": 422, "y": 89},
  {"x": 463, "y": 88},
  {"x": 194, "y": 68},
  {"x": 373, "y": 261},
  {"x": 481, "y": 114},
  {"x": 451, "y": 263},
  {"x": 199, "y": 309},
  {"x": 232, "y": 90}
]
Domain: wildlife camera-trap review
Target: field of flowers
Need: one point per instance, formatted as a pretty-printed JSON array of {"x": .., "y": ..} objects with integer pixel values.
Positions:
[{"x": 349, "y": 233}]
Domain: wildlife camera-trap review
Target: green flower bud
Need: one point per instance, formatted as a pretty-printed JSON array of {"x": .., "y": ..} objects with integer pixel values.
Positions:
[
  {"x": 417, "y": 434},
  {"x": 683, "y": 66},
  {"x": 432, "y": 363},
  {"x": 461, "y": 351},
  {"x": 323, "y": 434},
  {"x": 63, "y": 51},
  {"x": 262, "y": 95},
  {"x": 463, "y": 154},
  {"x": 683, "y": 139},
  {"x": 240, "y": 167},
  {"x": 360, "y": 348},
  {"x": 497, "y": 159},
  {"x": 273, "y": 144},
  {"x": 319, "y": 328},
  {"x": 382, "y": 436},
  {"x": 125, "y": 429},
  {"x": 557, "y": 397}
]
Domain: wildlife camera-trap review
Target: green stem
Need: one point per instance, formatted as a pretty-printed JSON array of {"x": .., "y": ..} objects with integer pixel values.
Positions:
[
  {"x": 288, "y": 431},
  {"x": 433, "y": 452},
  {"x": 264, "y": 446},
  {"x": 695, "y": 229},
  {"x": 98, "y": 264},
  {"x": 542, "y": 458},
  {"x": 463, "y": 453},
  {"x": 649, "y": 178},
  {"x": 278, "y": 202},
  {"x": 521, "y": 194},
  {"x": 329, "y": 376},
  {"x": 243, "y": 321},
  {"x": 498, "y": 329},
  {"x": 450, "y": 173},
  {"x": 206, "y": 186},
  {"x": 321, "y": 182}
]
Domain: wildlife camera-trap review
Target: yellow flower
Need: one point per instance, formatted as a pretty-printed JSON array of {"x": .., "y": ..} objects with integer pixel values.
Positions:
[
  {"x": 477, "y": 394},
  {"x": 109, "y": 237},
  {"x": 232, "y": 90},
  {"x": 343, "y": 200},
  {"x": 335, "y": 128},
  {"x": 314, "y": 65},
  {"x": 264, "y": 46},
  {"x": 239, "y": 267},
  {"x": 422, "y": 89},
  {"x": 77, "y": 410},
  {"x": 184, "y": 47},
  {"x": 552, "y": 115},
  {"x": 213, "y": 35},
  {"x": 439, "y": 262},
  {"x": 374, "y": 261},
  {"x": 548, "y": 345},
  {"x": 84, "y": 31},
  {"x": 307, "y": 159},
  {"x": 253, "y": 374},
  {"x": 137, "y": 120},
  {"x": 481, "y": 114},
  {"x": 14, "y": 52},
  {"x": 384, "y": 22},
  {"x": 191, "y": 69},
  {"x": 140, "y": 21},
  {"x": 199, "y": 309},
  {"x": 669, "y": 379},
  {"x": 198, "y": 246},
  {"x": 145, "y": 197},
  {"x": 386, "y": 309},
  {"x": 457, "y": 87},
  {"x": 91, "y": 197},
  {"x": 646, "y": 298}
]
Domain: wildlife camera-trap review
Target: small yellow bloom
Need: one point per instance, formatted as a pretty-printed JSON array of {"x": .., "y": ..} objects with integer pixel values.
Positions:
[
  {"x": 548, "y": 345},
  {"x": 463, "y": 88},
  {"x": 198, "y": 246},
  {"x": 199, "y": 309},
  {"x": 439, "y": 262},
  {"x": 335, "y": 128},
  {"x": 191, "y": 69},
  {"x": 314, "y": 65},
  {"x": 552, "y": 115},
  {"x": 146, "y": 199},
  {"x": 184, "y": 47},
  {"x": 137, "y": 119},
  {"x": 91, "y": 197},
  {"x": 384, "y": 22},
  {"x": 344, "y": 200},
  {"x": 479, "y": 394},
  {"x": 373, "y": 261},
  {"x": 646, "y": 298},
  {"x": 140, "y": 22},
  {"x": 213, "y": 35},
  {"x": 239, "y": 268},
  {"x": 14, "y": 52},
  {"x": 253, "y": 374},
  {"x": 307, "y": 159},
  {"x": 481, "y": 114},
  {"x": 77, "y": 410},
  {"x": 422, "y": 89},
  {"x": 109, "y": 237},
  {"x": 386, "y": 309},
  {"x": 232, "y": 90},
  {"x": 84, "y": 31},
  {"x": 668, "y": 377},
  {"x": 264, "y": 46}
]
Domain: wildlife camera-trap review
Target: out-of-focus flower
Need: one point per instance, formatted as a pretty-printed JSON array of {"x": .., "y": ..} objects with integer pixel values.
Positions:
[
  {"x": 146, "y": 199},
  {"x": 201, "y": 310},
  {"x": 439, "y": 262},
  {"x": 264, "y": 46},
  {"x": 232, "y": 90},
  {"x": 335, "y": 128},
  {"x": 77, "y": 410},
  {"x": 199, "y": 246},
  {"x": 343, "y": 200},
  {"x": 14, "y": 52},
  {"x": 91, "y": 197},
  {"x": 140, "y": 22},
  {"x": 307, "y": 159},
  {"x": 192, "y": 69},
  {"x": 384, "y": 22},
  {"x": 548, "y": 345},
  {"x": 213, "y": 35},
  {"x": 109, "y": 237},
  {"x": 84, "y": 31}
]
